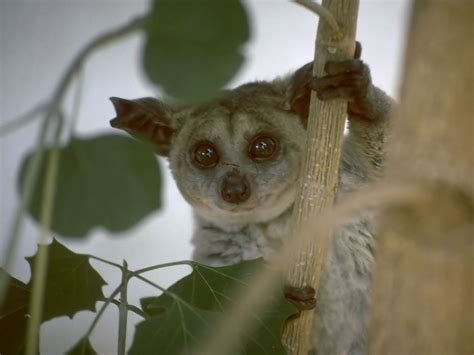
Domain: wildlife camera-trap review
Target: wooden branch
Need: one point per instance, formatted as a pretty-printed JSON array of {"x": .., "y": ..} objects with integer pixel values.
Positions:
[
  {"x": 319, "y": 176},
  {"x": 423, "y": 290}
]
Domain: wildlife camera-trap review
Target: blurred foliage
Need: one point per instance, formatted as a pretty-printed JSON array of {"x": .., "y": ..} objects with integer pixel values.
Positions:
[
  {"x": 193, "y": 48},
  {"x": 109, "y": 181}
]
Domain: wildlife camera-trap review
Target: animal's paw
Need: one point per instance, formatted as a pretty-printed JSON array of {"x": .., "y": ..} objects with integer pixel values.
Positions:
[
  {"x": 302, "y": 297},
  {"x": 348, "y": 79}
]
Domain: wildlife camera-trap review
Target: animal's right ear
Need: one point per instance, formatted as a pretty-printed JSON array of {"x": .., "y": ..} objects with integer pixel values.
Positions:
[{"x": 147, "y": 119}]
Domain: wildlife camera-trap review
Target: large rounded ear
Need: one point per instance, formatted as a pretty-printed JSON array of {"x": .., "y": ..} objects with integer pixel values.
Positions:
[
  {"x": 299, "y": 92},
  {"x": 147, "y": 119}
]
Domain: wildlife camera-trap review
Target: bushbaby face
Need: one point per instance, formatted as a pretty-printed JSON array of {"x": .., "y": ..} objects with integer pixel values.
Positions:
[
  {"x": 238, "y": 163},
  {"x": 235, "y": 160}
]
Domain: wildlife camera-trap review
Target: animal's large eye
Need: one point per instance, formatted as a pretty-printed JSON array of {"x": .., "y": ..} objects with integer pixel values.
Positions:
[
  {"x": 262, "y": 147},
  {"x": 205, "y": 155}
]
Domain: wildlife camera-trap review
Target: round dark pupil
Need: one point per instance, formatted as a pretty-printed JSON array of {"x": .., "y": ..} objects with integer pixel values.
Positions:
[
  {"x": 205, "y": 154},
  {"x": 263, "y": 147}
]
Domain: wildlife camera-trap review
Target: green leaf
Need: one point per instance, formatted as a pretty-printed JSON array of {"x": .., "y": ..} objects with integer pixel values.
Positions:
[
  {"x": 110, "y": 181},
  {"x": 72, "y": 284},
  {"x": 82, "y": 347},
  {"x": 179, "y": 327},
  {"x": 214, "y": 290},
  {"x": 193, "y": 48},
  {"x": 14, "y": 316}
]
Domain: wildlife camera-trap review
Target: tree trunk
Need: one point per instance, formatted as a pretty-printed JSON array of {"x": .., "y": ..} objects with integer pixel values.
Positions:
[
  {"x": 423, "y": 289},
  {"x": 319, "y": 176}
]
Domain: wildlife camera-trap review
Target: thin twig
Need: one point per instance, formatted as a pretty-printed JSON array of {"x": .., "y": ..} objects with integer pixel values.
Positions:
[
  {"x": 131, "y": 308},
  {"x": 102, "y": 309},
  {"x": 123, "y": 311},
  {"x": 76, "y": 102},
  {"x": 41, "y": 261},
  {"x": 106, "y": 261},
  {"x": 323, "y": 13},
  {"x": 160, "y": 266}
]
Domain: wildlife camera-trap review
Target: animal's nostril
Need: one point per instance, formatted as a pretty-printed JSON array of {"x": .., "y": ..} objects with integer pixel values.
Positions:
[{"x": 235, "y": 189}]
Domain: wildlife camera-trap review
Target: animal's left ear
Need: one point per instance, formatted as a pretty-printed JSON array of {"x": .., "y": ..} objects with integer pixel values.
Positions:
[
  {"x": 299, "y": 92},
  {"x": 146, "y": 119}
]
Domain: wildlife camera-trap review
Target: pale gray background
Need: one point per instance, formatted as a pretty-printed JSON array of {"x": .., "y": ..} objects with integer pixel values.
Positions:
[{"x": 38, "y": 39}]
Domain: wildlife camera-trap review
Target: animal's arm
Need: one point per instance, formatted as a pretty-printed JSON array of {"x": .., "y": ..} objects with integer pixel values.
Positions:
[{"x": 369, "y": 109}]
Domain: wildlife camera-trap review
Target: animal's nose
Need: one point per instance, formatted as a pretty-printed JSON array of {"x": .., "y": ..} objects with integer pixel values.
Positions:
[{"x": 235, "y": 188}]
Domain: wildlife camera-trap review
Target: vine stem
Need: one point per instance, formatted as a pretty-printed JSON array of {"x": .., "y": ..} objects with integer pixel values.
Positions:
[
  {"x": 123, "y": 311},
  {"x": 106, "y": 261},
  {"x": 102, "y": 310},
  {"x": 52, "y": 109},
  {"x": 41, "y": 262},
  {"x": 160, "y": 266}
]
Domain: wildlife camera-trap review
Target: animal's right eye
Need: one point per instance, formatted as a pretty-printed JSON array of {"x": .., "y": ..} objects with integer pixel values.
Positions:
[{"x": 205, "y": 155}]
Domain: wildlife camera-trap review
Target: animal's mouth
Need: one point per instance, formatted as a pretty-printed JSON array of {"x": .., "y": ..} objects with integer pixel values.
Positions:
[{"x": 236, "y": 208}]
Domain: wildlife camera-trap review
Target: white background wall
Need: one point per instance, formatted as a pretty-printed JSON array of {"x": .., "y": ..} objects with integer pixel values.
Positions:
[{"x": 38, "y": 39}]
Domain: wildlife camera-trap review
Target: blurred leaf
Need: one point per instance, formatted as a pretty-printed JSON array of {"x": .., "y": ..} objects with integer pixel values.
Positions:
[
  {"x": 14, "y": 316},
  {"x": 212, "y": 290},
  {"x": 110, "y": 181},
  {"x": 193, "y": 48},
  {"x": 72, "y": 284},
  {"x": 82, "y": 347}
]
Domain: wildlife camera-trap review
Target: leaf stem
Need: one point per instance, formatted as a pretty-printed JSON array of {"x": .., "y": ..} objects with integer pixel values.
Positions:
[
  {"x": 41, "y": 262},
  {"x": 76, "y": 103},
  {"x": 164, "y": 290},
  {"x": 160, "y": 266},
  {"x": 123, "y": 311},
  {"x": 131, "y": 308},
  {"x": 111, "y": 263},
  {"x": 102, "y": 309}
]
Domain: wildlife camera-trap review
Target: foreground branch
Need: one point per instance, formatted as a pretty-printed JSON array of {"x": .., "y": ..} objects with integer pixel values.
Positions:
[
  {"x": 423, "y": 286},
  {"x": 319, "y": 176}
]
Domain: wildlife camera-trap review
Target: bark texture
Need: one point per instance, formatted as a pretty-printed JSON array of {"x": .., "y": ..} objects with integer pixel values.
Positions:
[
  {"x": 423, "y": 291},
  {"x": 319, "y": 176}
]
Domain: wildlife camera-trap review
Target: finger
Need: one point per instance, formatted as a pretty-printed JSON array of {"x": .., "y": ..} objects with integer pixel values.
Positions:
[
  {"x": 343, "y": 92},
  {"x": 332, "y": 81},
  {"x": 345, "y": 66}
]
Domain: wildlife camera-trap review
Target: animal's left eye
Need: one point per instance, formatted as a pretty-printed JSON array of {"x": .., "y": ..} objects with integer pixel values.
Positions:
[{"x": 262, "y": 147}]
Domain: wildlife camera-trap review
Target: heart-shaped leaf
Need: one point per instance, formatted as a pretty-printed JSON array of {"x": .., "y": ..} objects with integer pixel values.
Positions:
[
  {"x": 110, "y": 181},
  {"x": 193, "y": 48}
]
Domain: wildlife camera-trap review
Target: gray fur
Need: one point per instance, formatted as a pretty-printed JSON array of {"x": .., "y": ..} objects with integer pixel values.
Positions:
[{"x": 228, "y": 233}]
